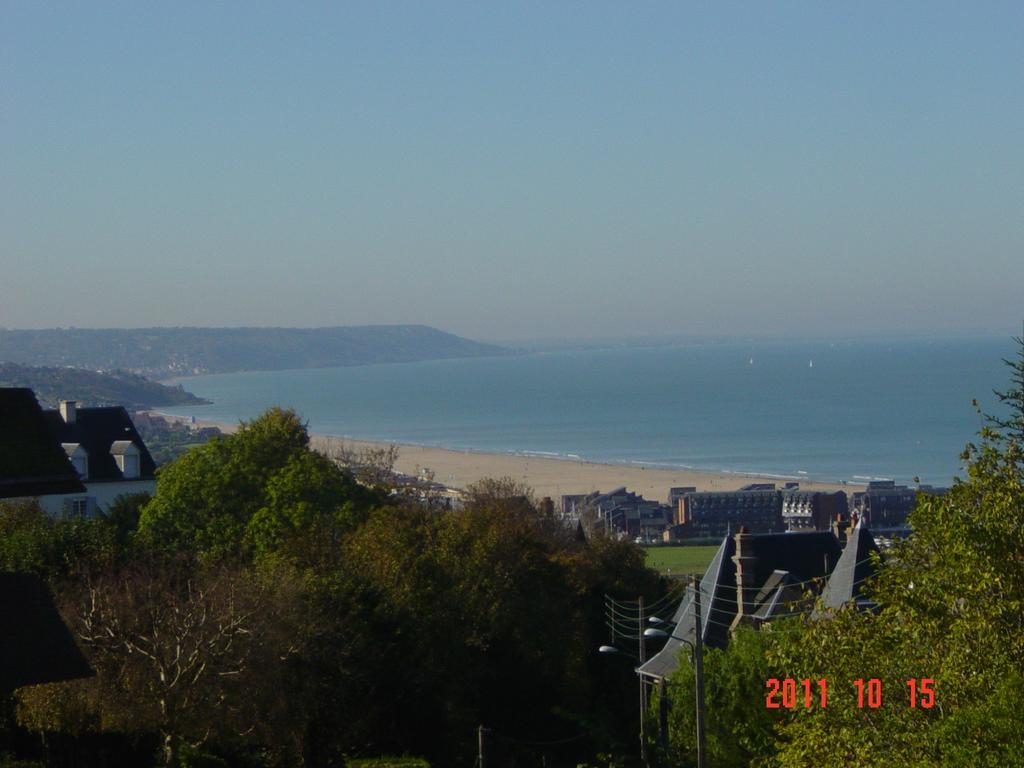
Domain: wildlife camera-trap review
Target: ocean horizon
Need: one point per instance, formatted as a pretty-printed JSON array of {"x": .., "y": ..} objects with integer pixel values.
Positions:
[{"x": 850, "y": 410}]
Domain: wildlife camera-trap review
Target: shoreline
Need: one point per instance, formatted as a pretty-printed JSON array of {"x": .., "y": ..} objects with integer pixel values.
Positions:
[{"x": 548, "y": 475}]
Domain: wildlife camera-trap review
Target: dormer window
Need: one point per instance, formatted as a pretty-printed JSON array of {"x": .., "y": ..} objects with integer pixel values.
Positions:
[
  {"x": 126, "y": 454},
  {"x": 78, "y": 457}
]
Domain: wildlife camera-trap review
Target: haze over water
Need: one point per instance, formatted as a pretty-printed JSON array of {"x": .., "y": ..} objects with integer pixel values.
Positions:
[{"x": 845, "y": 410}]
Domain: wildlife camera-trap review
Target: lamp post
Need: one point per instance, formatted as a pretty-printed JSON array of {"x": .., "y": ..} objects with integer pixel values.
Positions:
[
  {"x": 641, "y": 657},
  {"x": 697, "y": 654},
  {"x": 697, "y": 651}
]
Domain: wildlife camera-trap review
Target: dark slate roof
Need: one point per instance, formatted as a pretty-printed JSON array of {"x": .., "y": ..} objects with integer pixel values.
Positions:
[
  {"x": 806, "y": 556},
  {"x": 35, "y": 645},
  {"x": 787, "y": 564},
  {"x": 718, "y": 603},
  {"x": 781, "y": 595},
  {"x": 96, "y": 430},
  {"x": 855, "y": 565},
  {"x": 32, "y": 463}
]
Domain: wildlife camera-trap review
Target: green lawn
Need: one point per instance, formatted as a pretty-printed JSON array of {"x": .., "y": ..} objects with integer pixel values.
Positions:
[{"x": 679, "y": 560}]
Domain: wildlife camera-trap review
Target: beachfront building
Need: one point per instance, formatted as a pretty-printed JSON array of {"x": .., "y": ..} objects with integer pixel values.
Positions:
[
  {"x": 812, "y": 510},
  {"x": 677, "y": 492},
  {"x": 884, "y": 506},
  {"x": 619, "y": 512},
  {"x": 712, "y": 514}
]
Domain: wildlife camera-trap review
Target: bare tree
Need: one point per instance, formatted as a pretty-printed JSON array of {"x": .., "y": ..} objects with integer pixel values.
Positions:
[
  {"x": 177, "y": 649},
  {"x": 370, "y": 465}
]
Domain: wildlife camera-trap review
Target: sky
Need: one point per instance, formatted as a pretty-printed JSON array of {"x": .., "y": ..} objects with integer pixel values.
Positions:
[{"x": 514, "y": 170}]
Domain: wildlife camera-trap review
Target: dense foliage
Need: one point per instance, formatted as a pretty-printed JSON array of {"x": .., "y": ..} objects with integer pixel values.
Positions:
[
  {"x": 951, "y": 601},
  {"x": 264, "y": 608}
]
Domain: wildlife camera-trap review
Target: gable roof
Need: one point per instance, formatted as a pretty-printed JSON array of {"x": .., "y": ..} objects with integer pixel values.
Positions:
[
  {"x": 32, "y": 463},
  {"x": 97, "y": 430},
  {"x": 855, "y": 566},
  {"x": 35, "y": 645},
  {"x": 786, "y": 564},
  {"x": 718, "y": 605}
]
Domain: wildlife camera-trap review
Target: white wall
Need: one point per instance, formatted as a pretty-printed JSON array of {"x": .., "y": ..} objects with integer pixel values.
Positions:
[{"x": 100, "y": 495}]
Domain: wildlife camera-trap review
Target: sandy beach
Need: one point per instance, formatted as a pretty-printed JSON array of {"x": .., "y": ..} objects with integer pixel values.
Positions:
[{"x": 549, "y": 476}]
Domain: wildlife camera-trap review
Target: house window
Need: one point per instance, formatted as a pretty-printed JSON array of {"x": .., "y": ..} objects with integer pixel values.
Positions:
[{"x": 78, "y": 507}]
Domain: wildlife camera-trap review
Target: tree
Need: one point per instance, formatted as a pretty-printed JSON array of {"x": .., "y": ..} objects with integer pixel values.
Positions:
[
  {"x": 739, "y": 730},
  {"x": 371, "y": 465},
  {"x": 248, "y": 493},
  {"x": 309, "y": 505},
  {"x": 124, "y": 513},
  {"x": 495, "y": 617},
  {"x": 55, "y": 549},
  {"x": 175, "y": 653},
  {"x": 952, "y": 611},
  {"x": 1011, "y": 427}
]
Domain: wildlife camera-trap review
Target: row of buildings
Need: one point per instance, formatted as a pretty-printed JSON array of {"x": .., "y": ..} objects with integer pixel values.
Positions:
[{"x": 759, "y": 507}]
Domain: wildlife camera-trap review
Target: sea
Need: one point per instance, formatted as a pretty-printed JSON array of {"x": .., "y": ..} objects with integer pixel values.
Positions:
[{"x": 843, "y": 410}]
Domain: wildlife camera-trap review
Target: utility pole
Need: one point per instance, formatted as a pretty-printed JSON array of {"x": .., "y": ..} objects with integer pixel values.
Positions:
[
  {"x": 698, "y": 652},
  {"x": 481, "y": 745},
  {"x": 643, "y": 692},
  {"x": 663, "y": 713}
]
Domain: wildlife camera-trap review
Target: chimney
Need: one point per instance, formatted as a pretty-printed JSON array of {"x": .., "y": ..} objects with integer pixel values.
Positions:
[
  {"x": 68, "y": 410},
  {"x": 745, "y": 591}
]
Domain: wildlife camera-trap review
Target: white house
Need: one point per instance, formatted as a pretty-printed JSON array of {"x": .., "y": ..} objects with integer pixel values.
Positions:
[{"x": 107, "y": 453}]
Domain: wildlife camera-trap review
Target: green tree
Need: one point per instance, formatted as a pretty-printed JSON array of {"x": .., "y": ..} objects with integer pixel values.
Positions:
[
  {"x": 952, "y": 610},
  {"x": 739, "y": 730},
  {"x": 124, "y": 513},
  {"x": 249, "y": 492},
  {"x": 492, "y": 615},
  {"x": 309, "y": 505},
  {"x": 55, "y": 549}
]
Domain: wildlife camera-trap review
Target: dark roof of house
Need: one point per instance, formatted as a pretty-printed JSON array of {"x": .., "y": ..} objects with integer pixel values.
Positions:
[
  {"x": 718, "y": 604},
  {"x": 781, "y": 595},
  {"x": 855, "y": 566},
  {"x": 806, "y": 556},
  {"x": 96, "y": 430},
  {"x": 35, "y": 645},
  {"x": 787, "y": 564},
  {"x": 32, "y": 463}
]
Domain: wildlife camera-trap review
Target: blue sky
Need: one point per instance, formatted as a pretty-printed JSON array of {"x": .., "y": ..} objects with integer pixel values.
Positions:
[{"x": 514, "y": 170}]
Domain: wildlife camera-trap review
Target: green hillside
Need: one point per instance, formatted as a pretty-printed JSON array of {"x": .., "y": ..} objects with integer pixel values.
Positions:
[
  {"x": 91, "y": 388},
  {"x": 166, "y": 352}
]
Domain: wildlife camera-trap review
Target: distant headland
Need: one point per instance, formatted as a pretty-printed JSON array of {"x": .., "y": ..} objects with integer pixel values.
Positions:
[{"x": 163, "y": 353}]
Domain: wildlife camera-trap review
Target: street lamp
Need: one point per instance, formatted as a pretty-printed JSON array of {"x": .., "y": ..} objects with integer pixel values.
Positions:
[{"x": 697, "y": 654}]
